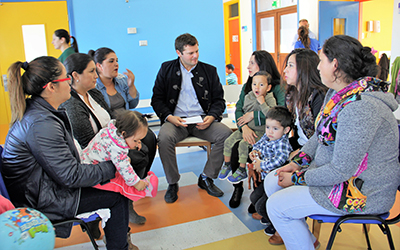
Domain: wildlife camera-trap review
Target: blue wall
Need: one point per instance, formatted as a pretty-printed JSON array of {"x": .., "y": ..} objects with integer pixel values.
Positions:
[
  {"x": 104, "y": 23},
  {"x": 330, "y": 10}
]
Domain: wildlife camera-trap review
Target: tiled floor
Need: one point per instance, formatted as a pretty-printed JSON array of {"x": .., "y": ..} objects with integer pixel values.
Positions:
[{"x": 201, "y": 222}]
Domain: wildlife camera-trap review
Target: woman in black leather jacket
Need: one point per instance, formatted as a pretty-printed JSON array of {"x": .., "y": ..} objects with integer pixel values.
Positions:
[{"x": 41, "y": 166}]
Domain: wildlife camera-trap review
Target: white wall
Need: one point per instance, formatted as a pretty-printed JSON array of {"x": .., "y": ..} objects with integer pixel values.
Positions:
[
  {"x": 308, "y": 9},
  {"x": 246, "y": 36},
  {"x": 395, "y": 32}
]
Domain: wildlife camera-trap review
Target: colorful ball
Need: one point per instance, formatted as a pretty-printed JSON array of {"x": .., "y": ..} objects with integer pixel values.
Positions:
[{"x": 26, "y": 228}]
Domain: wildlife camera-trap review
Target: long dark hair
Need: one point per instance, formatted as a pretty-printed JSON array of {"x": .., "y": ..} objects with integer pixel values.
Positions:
[
  {"x": 354, "y": 60},
  {"x": 61, "y": 33},
  {"x": 37, "y": 74},
  {"x": 383, "y": 67},
  {"x": 308, "y": 79},
  {"x": 100, "y": 54},
  {"x": 77, "y": 62},
  {"x": 265, "y": 62},
  {"x": 303, "y": 36}
]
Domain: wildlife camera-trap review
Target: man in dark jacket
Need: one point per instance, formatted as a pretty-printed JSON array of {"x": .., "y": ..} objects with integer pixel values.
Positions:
[{"x": 184, "y": 88}]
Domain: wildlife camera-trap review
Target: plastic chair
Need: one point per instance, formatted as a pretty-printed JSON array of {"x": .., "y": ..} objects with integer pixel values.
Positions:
[
  {"x": 381, "y": 220},
  {"x": 76, "y": 221}
]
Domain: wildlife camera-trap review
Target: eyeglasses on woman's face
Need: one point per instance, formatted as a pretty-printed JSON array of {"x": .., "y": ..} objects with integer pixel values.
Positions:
[{"x": 60, "y": 80}]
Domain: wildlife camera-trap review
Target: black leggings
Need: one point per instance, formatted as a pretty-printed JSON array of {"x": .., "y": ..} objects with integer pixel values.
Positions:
[
  {"x": 141, "y": 160},
  {"x": 117, "y": 225}
]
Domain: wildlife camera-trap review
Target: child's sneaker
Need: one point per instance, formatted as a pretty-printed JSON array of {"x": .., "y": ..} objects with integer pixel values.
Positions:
[
  {"x": 152, "y": 188},
  {"x": 225, "y": 171},
  {"x": 239, "y": 175}
]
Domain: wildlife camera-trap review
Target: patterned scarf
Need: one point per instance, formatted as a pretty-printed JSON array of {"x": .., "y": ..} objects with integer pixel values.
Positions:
[{"x": 326, "y": 121}]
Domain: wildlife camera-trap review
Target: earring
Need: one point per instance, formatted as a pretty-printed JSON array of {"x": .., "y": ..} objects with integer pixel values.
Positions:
[{"x": 77, "y": 80}]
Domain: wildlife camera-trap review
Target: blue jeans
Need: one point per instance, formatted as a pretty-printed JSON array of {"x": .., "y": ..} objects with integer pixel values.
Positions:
[
  {"x": 287, "y": 209},
  {"x": 117, "y": 225}
]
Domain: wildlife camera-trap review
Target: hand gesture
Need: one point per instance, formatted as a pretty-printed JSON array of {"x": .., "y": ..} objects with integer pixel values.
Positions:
[
  {"x": 176, "y": 120},
  {"x": 248, "y": 135},
  {"x": 253, "y": 176},
  {"x": 257, "y": 165},
  {"x": 285, "y": 179},
  {"x": 206, "y": 122},
  {"x": 131, "y": 78},
  {"x": 141, "y": 185},
  {"x": 139, "y": 145},
  {"x": 254, "y": 154},
  {"x": 261, "y": 99},
  {"x": 289, "y": 168},
  {"x": 245, "y": 118}
]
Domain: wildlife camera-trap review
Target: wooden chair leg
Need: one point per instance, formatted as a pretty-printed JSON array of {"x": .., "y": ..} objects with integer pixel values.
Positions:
[
  {"x": 316, "y": 228},
  {"x": 208, "y": 150}
]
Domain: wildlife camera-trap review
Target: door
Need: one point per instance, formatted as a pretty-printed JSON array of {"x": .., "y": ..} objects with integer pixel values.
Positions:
[
  {"x": 234, "y": 46},
  {"x": 275, "y": 32},
  {"x": 232, "y": 36},
  {"x": 53, "y": 15},
  {"x": 333, "y": 13}
]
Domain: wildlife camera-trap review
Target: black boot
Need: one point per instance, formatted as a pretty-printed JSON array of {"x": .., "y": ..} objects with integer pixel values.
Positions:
[{"x": 234, "y": 202}]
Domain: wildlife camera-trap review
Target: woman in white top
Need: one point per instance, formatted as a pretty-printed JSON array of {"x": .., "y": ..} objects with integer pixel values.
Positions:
[{"x": 89, "y": 112}]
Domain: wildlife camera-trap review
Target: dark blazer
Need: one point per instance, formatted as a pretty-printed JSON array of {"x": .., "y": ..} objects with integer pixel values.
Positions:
[
  {"x": 41, "y": 166},
  {"x": 205, "y": 81}
]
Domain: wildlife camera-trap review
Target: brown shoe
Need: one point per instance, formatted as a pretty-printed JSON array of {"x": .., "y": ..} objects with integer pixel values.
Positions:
[
  {"x": 256, "y": 216},
  {"x": 275, "y": 240},
  {"x": 317, "y": 244}
]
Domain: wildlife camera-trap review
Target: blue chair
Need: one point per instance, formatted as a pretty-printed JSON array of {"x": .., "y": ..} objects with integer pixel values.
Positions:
[
  {"x": 75, "y": 221},
  {"x": 381, "y": 220}
]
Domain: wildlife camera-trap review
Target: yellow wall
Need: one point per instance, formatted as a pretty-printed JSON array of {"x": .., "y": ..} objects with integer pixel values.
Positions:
[
  {"x": 53, "y": 15},
  {"x": 378, "y": 10}
]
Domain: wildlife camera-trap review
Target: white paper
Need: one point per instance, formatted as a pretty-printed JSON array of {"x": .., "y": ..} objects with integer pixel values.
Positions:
[{"x": 193, "y": 120}]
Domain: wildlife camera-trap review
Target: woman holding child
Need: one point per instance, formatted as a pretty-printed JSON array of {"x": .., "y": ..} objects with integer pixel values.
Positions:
[
  {"x": 354, "y": 138},
  {"x": 260, "y": 60},
  {"x": 120, "y": 93},
  {"x": 41, "y": 165},
  {"x": 89, "y": 113}
]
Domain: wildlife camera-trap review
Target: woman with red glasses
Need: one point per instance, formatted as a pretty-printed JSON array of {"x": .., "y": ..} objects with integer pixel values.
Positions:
[{"x": 41, "y": 166}]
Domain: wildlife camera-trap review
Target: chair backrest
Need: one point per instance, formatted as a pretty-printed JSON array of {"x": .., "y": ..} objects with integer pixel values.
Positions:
[{"x": 3, "y": 190}]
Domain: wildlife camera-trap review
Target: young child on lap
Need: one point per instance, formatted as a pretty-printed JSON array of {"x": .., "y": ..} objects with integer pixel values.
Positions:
[
  {"x": 113, "y": 143},
  {"x": 259, "y": 99},
  {"x": 269, "y": 153}
]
